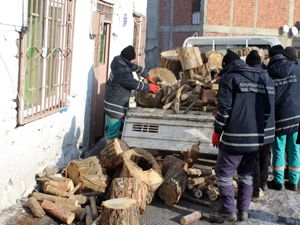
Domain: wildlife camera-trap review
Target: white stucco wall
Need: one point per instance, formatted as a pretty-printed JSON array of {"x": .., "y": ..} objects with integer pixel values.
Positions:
[{"x": 53, "y": 140}]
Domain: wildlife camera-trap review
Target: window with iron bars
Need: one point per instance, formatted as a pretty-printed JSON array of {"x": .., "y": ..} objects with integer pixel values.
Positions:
[{"x": 45, "y": 59}]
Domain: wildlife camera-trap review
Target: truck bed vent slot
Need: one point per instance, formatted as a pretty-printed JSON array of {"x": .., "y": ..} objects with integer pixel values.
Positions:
[{"x": 145, "y": 128}]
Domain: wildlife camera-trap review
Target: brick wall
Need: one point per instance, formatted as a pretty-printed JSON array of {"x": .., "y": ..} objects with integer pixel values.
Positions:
[
  {"x": 272, "y": 15},
  {"x": 179, "y": 37},
  {"x": 182, "y": 12},
  {"x": 164, "y": 12},
  {"x": 244, "y": 13},
  {"x": 297, "y": 13},
  {"x": 218, "y": 12}
]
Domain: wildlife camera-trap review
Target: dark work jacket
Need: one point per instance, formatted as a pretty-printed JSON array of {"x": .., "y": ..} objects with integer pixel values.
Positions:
[
  {"x": 286, "y": 76},
  {"x": 120, "y": 84},
  {"x": 243, "y": 107},
  {"x": 270, "y": 121}
]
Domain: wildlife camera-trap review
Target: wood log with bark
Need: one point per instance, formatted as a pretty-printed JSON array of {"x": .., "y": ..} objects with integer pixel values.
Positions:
[
  {"x": 169, "y": 59},
  {"x": 171, "y": 160},
  {"x": 35, "y": 207},
  {"x": 120, "y": 211},
  {"x": 88, "y": 172},
  {"x": 110, "y": 157},
  {"x": 190, "y": 218},
  {"x": 128, "y": 187}
]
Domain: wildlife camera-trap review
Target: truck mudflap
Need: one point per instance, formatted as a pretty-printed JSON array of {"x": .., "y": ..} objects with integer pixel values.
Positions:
[{"x": 162, "y": 130}]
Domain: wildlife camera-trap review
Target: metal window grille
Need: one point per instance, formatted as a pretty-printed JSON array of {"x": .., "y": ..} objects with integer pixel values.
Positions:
[
  {"x": 145, "y": 128},
  {"x": 45, "y": 59}
]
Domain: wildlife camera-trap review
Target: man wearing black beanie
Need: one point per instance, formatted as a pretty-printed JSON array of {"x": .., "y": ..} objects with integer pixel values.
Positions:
[
  {"x": 243, "y": 106},
  {"x": 264, "y": 154},
  {"x": 118, "y": 90}
]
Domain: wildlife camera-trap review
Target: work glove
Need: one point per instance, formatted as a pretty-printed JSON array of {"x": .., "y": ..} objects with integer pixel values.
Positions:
[
  {"x": 150, "y": 79},
  {"x": 215, "y": 139},
  {"x": 153, "y": 88}
]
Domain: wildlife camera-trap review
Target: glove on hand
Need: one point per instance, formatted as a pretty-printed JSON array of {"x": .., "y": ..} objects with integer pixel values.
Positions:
[
  {"x": 150, "y": 79},
  {"x": 215, "y": 139},
  {"x": 154, "y": 88}
]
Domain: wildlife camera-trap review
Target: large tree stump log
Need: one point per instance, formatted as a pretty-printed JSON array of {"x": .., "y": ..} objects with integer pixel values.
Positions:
[
  {"x": 120, "y": 211},
  {"x": 214, "y": 60},
  {"x": 62, "y": 214},
  {"x": 89, "y": 173},
  {"x": 130, "y": 188},
  {"x": 35, "y": 207},
  {"x": 169, "y": 59},
  {"x": 173, "y": 186},
  {"x": 189, "y": 57},
  {"x": 110, "y": 157},
  {"x": 139, "y": 163},
  {"x": 171, "y": 160}
]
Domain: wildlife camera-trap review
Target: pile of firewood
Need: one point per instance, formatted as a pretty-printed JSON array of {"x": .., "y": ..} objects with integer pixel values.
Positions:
[{"x": 113, "y": 188}]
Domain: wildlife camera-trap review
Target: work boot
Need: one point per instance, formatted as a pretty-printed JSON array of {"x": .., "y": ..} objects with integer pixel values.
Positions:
[
  {"x": 290, "y": 186},
  {"x": 242, "y": 215},
  {"x": 222, "y": 216},
  {"x": 258, "y": 196},
  {"x": 275, "y": 186}
]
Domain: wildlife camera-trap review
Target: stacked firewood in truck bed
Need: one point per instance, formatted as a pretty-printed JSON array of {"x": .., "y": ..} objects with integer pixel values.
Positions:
[{"x": 188, "y": 80}]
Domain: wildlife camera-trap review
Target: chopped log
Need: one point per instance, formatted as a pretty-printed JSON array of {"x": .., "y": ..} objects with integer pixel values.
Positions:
[
  {"x": 50, "y": 189},
  {"x": 177, "y": 99},
  {"x": 63, "y": 215},
  {"x": 81, "y": 199},
  {"x": 130, "y": 188},
  {"x": 73, "y": 191},
  {"x": 196, "y": 181},
  {"x": 171, "y": 160},
  {"x": 41, "y": 197},
  {"x": 212, "y": 192},
  {"x": 173, "y": 186},
  {"x": 121, "y": 211},
  {"x": 88, "y": 172},
  {"x": 191, "y": 73},
  {"x": 168, "y": 105},
  {"x": 205, "y": 72},
  {"x": 215, "y": 87},
  {"x": 194, "y": 172},
  {"x": 214, "y": 60},
  {"x": 110, "y": 157},
  {"x": 199, "y": 201},
  {"x": 35, "y": 207},
  {"x": 190, "y": 218},
  {"x": 169, "y": 59},
  {"x": 79, "y": 212},
  {"x": 210, "y": 100},
  {"x": 89, "y": 216},
  {"x": 189, "y": 57},
  {"x": 196, "y": 192},
  {"x": 208, "y": 108},
  {"x": 65, "y": 185},
  {"x": 140, "y": 164},
  {"x": 93, "y": 207}
]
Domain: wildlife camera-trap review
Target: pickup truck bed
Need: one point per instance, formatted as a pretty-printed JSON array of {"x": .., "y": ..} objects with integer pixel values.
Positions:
[{"x": 162, "y": 130}]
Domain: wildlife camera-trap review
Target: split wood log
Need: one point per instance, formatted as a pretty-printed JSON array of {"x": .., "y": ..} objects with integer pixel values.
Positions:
[
  {"x": 189, "y": 57},
  {"x": 110, "y": 157},
  {"x": 73, "y": 191},
  {"x": 177, "y": 99},
  {"x": 88, "y": 172},
  {"x": 171, "y": 160},
  {"x": 199, "y": 201},
  {"x": 173, "y": 186},
  {"x": 41, "y": 197},
  {"x": 212, "y": 192},
  {"x": 93, "y": 207},
  {"x": 50, "y": 189},
  {"x": 63, "y": 215},
  {"x": 208, "y": 108},
  {"x": 121, "y": 211},
  {"x": 194, "y": 172},
  {"x": 35, "y": 207},
  {"x": 168, "y": 105},
  {"x": 139, "y": 163},
  {"x": 210, "y": 100},
  {"x": 169, "y": 59},
  {"x": 81, "y": 199},
  {"x": 79, "y": 212},
  {"x": 65, "y": 185},
  {"x": 128, "y": 187},
  {"x": 89, "y": 216},
  {"x": 190, "y": 218}
]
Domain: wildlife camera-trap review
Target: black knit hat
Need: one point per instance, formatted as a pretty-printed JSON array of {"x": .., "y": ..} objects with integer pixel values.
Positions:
[
  {"x": 128, "y": 53},
  {"x": 275, "y": 50},
  {"x": 291, "y": 53},
  {"x": 253, "y": 58},
  {"x": 229, "y": 57}
]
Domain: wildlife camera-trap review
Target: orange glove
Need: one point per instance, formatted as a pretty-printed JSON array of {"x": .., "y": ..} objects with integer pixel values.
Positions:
[
  {"x": 150, "y": 79},
  {"x": 215, "y": 139},
  {"x": 153, "y": 88}
]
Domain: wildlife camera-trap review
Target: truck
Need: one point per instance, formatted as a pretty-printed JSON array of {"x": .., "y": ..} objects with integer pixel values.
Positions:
[{"x": 158, "y": 129}]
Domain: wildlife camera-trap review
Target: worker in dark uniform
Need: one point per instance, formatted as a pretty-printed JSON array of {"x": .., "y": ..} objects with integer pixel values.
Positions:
[
  {"x": 264, "y": 154},
  {"x": 118, "y": 91},
  {"x": 243, "y": 107},
  {"x": 284, "y": 69}
]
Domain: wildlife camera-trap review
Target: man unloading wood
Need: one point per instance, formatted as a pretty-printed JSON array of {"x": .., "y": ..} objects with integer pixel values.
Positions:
[
  {"x": 264, "y": 154},
  {"x": 242, "y": 106},
  {"x": 119, "y": 86},
  {"x": 284, "y": 68}
]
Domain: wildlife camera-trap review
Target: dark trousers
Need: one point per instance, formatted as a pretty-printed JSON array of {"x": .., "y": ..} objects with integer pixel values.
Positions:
[
  {"x": 261, "y": 171},
  {"x": 226, "y": 166}
]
